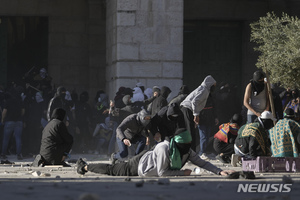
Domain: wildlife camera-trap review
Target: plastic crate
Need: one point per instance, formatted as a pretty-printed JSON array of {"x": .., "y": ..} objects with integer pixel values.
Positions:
[{"x": 271, "y": 164}]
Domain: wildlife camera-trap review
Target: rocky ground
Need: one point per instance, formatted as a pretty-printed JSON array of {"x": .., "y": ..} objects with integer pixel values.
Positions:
[{"x": 20, "y": 181}]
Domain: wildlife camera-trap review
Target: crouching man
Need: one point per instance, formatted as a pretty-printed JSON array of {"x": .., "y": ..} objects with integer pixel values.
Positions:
[
  {"x": 56, "y": 141},
  {"x": 166, "y": 159}
]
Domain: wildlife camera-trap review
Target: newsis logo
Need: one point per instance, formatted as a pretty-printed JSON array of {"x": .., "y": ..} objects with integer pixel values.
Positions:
[{"x": 263, "y": 187}]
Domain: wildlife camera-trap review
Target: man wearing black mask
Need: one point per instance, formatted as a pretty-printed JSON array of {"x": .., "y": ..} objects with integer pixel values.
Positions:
[
  {"x": 166, "y": 159},
  {"x": 256, "y": 98},
  {"x": 166, "y": 121}
]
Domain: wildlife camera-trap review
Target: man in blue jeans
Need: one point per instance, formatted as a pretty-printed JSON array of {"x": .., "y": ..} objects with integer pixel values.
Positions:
[
  {"x": 12, "y": 118},
  {"x": 131, "y": 131}
]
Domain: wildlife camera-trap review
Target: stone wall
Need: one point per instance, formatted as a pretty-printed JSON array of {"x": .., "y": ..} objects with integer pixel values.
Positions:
[{"x": 144, "y": 44}]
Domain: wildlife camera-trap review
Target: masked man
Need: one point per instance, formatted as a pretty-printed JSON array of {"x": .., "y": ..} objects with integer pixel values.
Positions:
[{"x": 166, "y": 159}]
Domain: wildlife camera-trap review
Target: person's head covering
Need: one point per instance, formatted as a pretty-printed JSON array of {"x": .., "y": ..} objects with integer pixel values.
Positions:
[
  {"x": 138, "y": 95},
  {"x": 237, "y": 118},
  {"x": 126, "y": 100},
  {"x": 148, "y": 92},
  {"x": 43, "y": 73},
  {"x": 180, "y": 144},
  {"x": 257, "y": 82},
  {"x": 289, "y": 113},
  {"x": 68, "y": 96},
  {"x": 61, "y": 92},
  {"x": 184, "y": 89},
  {"x": 165, "y": 91},
  {"x": 267, "y": 119},
  {"x": 209, "y": 83},
  {"x": 58, "y": 113},
  {"x": 295, "y": 93},
  {"x": 103, "y": 99},
  {"x": 156, "y": 89},
  {"x": 141, "y": 118},
  {"x": 140, "y": 85},
  {"x": 84, "y": 96},
  {"x": 258, "y": 75}
]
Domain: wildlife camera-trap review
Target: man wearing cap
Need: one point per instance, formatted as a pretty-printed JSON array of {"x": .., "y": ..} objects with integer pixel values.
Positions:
[
  {"x": 252, "y": 139},
  {"x": 285, "y": 136},
  {"x": 166, "y": 159},
  {"x": 256, "y": 97}
]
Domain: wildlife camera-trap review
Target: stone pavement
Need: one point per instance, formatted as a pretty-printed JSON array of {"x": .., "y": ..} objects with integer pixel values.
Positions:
[{"x": 20, "y": 181}]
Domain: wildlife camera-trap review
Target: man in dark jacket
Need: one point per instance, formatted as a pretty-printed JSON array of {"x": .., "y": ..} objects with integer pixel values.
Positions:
[
  {"x": 166, "y": 121},
  {"x": 56, "y": 141},
  {"x": 160, "y": 101},
  {"x": 131, "y": 130},
  {"x": 183, "y": 92}
]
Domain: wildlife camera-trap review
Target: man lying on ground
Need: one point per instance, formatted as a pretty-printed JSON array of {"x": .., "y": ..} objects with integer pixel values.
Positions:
[{"x": 165, "y": 159}]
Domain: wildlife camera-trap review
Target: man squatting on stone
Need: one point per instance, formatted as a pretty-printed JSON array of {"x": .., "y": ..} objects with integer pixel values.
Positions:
[{"x": 165, "y": 159}]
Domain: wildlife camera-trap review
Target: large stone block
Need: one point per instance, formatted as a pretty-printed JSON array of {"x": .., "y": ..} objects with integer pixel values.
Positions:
[
  {"x": 144, "y": 19},
  {"x": 125, "y": 18},
  {"x": 174, "y": 53},
  {"x": 161, "y": 52},
  {"x": 127, "y": 5},
  {"x": 172, "y": 69},
  {"x": 127, "y": 51},
  {"x": 138, "y": 69},
  {"x": 174, "y": 19},
  {"x": 134, "y": 35},
  {"x": 176, "y": 35},
  {"x": 152, "y": 52}
]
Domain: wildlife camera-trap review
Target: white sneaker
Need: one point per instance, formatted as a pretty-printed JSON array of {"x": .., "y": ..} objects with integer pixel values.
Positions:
[
  {"x": 204, "y": 157},
  {"x": 235, "y": 159}
]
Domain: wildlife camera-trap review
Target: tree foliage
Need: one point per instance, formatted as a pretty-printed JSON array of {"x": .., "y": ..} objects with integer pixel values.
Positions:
[{"x": 278, "y": 41}]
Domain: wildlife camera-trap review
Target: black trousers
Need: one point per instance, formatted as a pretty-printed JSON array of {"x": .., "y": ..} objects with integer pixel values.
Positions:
[
  {"x": 221, "y": 147},
  {"x": 129, "y": 168},
  {"x": 190, "y": 126}
]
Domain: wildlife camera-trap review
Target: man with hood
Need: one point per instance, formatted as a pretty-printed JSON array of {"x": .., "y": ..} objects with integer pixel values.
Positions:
[
  {"x": 131, "y": 131},
  {"x": 165, "y": 159},
  {"x": 182, "y": 94},
  {"x": 166, "y": 122},
  {"x": 56, "y": 141},
  {"x": 194, "y": 103},
  {"x": 252, "y": 139},
  {"x": 160, "y": 101},
  {"x": 256, "y": 98}
]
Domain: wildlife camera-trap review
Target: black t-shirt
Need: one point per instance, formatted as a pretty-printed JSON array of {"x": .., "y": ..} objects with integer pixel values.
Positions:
[{"x": 14, "y": 108}]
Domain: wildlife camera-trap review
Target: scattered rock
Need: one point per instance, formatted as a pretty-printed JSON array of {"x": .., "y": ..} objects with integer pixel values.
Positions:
[
  {"x": 219, "y": 186},
  {"x": 30, "y": 188},
  {"x": 57, "y": 177},
  {"x": 163, "y": 181},
  {"x": 45, "y": 175},
  {"x": 140, "y": 183},
  {"x": 287, "y": 179},
  {"x": 127, "y": 179},
  {"x": 88, "y": 196}
]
